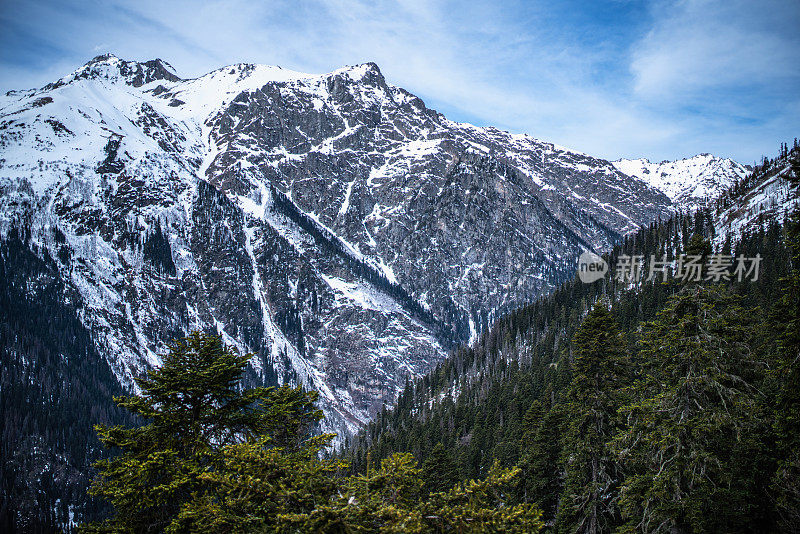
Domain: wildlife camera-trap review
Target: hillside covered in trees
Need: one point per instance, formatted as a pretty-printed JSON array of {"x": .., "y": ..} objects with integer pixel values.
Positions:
[
  {"x": 636, "y": 404},
  {"x": 667, "y": 405},
  {"x": 214, "y": 457}
]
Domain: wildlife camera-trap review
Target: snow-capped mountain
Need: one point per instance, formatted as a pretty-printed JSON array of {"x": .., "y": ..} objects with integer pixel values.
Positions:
[
  {"x": 331, "y": 224},
  {"x": 688, "y": 182}
]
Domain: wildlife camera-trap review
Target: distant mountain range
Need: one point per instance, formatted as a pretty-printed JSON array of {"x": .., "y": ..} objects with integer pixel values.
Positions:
[
  {"x": 331, "y": 224},
  {"x": 688, "y": 182}
]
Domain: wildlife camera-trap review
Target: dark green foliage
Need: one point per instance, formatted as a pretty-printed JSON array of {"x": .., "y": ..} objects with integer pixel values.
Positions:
[
  {"x": 520, "y": 395},
  {"x": 542, "y": 472},
  {"x": 260, "y": 489},
  {"x": 786, "y": 380},
  {"x": 600, "y": 373},
  {"x": 216, "y": 458},
  {"x": 439, "y": 470},
  {"x": 699, "y": 246},
  {"x": 157, "y": 251},
  {"x": 483, "y": 506},
  {"x": 694, "y": 421},
  {"x": 257, "y": 487},
  {"x": 54, "y": 387},
  {"x": 194, "y": 409}
]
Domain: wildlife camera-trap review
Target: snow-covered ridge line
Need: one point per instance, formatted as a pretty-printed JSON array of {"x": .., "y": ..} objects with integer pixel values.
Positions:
[
  {"x": 769, "y": 193},
  {"x": 407, "y": 228},
  {"x": 689, "y": 182}
]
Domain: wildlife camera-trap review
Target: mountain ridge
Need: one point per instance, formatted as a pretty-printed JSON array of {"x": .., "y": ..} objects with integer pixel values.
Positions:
[
  {"x": 457, "y": 221},
  {"x": 332, "y": 225},
  {"x": 689, "y": 182}
]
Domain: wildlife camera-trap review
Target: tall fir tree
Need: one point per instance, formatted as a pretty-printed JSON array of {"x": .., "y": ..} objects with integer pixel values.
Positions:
[
  {"x": 542, "y": 474},
  {"x": 787, "y": 418},
  {"x": 439, "y": 470},
  {"x": 694, "y": 424},
  {"x": 600, "y": 373},
  {"x": 194, "y": 408}
]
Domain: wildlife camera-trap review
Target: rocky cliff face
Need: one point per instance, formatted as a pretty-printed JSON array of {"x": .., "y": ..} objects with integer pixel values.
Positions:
[{"x": 331, "y": 224}]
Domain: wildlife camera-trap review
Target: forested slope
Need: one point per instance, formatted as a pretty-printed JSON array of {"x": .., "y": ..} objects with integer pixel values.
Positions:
[
  {"x": 573, "y": 395},
  {"x": 55, "y": 388}
]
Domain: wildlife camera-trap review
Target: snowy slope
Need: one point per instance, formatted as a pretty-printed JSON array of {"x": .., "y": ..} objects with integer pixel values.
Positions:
[
  {"x": 687, "y": 182},
  {"x": 767, "y": 196}
]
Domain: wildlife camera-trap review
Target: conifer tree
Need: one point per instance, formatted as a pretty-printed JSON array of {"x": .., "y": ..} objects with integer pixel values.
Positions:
[
  {"x": 389, "y": 499},
  {"x": 439, "y": 470},
  {"x": 688, "y": 445},
  {"x": 193, "y": 408},
  {"x": 600, "y": 372},
  {"x": 483, "y": 506},
  {"x": 699, "y": 246},
  {"x": 787, "y": 319},
  {"x": 541, "y": 469},
  {"x": 257, "y": 487}
]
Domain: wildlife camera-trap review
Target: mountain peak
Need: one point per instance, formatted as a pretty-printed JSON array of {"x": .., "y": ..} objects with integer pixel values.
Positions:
[
  {"x": 107, "y": 58},
  {"x": 368, "y": 73},
  {"x": 358, "y": 217},
  {"x": 688, "y": 181},
  {"x": 110, "y": 67}
]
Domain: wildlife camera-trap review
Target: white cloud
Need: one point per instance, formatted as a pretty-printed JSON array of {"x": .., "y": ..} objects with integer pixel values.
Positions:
[{"x": 701, "y": 44}]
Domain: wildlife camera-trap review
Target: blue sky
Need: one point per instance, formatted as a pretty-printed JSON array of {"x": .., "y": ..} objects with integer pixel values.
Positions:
[{"x": 661, "y": 79}]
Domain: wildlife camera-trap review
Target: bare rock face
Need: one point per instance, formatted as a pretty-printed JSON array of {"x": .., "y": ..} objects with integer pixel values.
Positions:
[{"x": 332, "y": 225}]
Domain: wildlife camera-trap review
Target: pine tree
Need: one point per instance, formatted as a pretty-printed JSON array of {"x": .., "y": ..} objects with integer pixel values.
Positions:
[
  {"x": 787, "y": 319},
  {"x": 699, "y": 246},
  {"x": 483, "y": 506},
  {"x": 693, "y": 419},
  {"x": 600, "y": 373},
  {"x": 195, "y": 409},
  {"x": 257, "y": 487},
  {"x": 541, "y": 469},
  {"x": 389, "y": 499},
  {"x": 439, "y": 470}
]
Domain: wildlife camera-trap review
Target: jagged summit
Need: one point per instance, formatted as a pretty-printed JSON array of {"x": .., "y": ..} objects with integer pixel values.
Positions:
[
  {"x": 368, "y": 72},
  {"x": 110, "y": 67}
]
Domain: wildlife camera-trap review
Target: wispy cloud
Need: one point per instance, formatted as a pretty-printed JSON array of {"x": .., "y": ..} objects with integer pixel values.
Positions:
[
  {"x": 697, "y": 45},
  {"x": 660, "y": 79}
]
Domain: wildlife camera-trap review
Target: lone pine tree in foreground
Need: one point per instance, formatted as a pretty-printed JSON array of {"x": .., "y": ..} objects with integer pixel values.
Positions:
[{"x": 194, "y": 410}]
